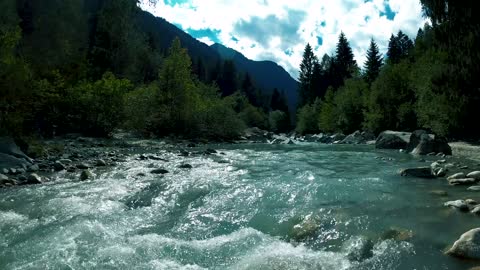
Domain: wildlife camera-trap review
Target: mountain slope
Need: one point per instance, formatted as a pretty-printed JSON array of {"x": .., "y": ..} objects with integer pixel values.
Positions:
[{"x": 266, "y": 74}]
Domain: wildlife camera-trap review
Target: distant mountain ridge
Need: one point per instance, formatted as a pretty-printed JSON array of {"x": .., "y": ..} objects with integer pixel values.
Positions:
[{"x": 267, "y": 75}]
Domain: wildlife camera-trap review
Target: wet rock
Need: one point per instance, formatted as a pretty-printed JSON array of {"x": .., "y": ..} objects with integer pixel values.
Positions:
[
  {"x": 191, "y": 145},
  {"x": 185, "y": 166},
  {"x": 358, "y": 248},
  {"x": 21, "y": 171},
  {"x": 441, "y": 193},
  {"x": 307, "y": 228},
  {"x": 65, "y": 161},
  {"x": 458, "y": 204},
  {"x": 475, "y": 174},
  {"x": 33, "y": 168},
  {"x": 468, "y": 246},
  {"x": 85, "y": 175},
  {"x": 210, "y": 151},
  {"x": 463, "y": 167},
  {"x": 462, "y": 182},
  {"x": 34, "y": 179},
  {"x": 3, "y": 177},
  {"x": 358, "y": 138},
  {"x": 184, "y": 153},
  {"x": 71, "y": 169},
  {"x": 100, "y": 163},
  {"x": 456, "y": 176},
  {"x": 397, "y": 234},
  {"x": 476, "y": 210},
  {"x": 441, "y": 172},
  {"x": 288, "y": 141},
  {"x": 474, "y": 188},
  {"x": 141, "y": 174},
  {"x": 22, "y": 178},
  {"x": 83, "y": 166},
  {"x": 428, "y": 144},
  {"x": 10, "y": 153},
  {"x": 392, "y": 140},
  {"x": 5, "y": 171},
  {"x": 58, "y": 166},
  {"x": 471, "y": 202},
  {"x": 159, "y": 171},
  {"x": 421, "y": 172}
]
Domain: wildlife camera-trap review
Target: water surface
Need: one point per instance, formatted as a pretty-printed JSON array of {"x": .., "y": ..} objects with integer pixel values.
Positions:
[{"x": 237, "y": 210}]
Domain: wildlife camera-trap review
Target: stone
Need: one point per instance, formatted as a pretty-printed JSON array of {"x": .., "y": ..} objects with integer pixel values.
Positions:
[
  {"x": 462, "y": 182},
  {"x": 34, "y": 179},
  {"x": 471, "y": 202},
  {"x": 184, "y": 153},
  {"x": 421, "y": 172},
  {"x": 22, "y": 178},
  {"x": 392, "y": 140},
  {"x": 83, "y": 166},
  {"x": 3, "y": 177},
  {"x": 458, "y": 204},
  {"x": 85, "y": 175},
  {"x": 456, "y": 176},
  {"x": 33, "y": 168},
  {"x": 415, "y": 138},
  {"x": 468, "y": 246},
  {"x": 397, "y": 234},
  {"x": 475, "y": 174},
  {"x": 474, "y": 188},
  {"x": 65, "y": 161},
  {"x": 428, "y": 144},
  {"x": 100, "y": 163},
  {"x": 8, "y": 147},
  {"x": 5, "y": 171},
  {"x": 305, "y": 229},
  {"x": 159, "y": 171},
  {"x": 71, "y": 169},
  {"x": 441, "y": 172},
  {"x": 211, "y": 151},
  {"x": 358, "y": 248},
  {"x": 185, "y": 166},
  {"x": 476, "y": 210},
  {"x": 191, "y": 145},
  {"x": 58, "y": 166}
]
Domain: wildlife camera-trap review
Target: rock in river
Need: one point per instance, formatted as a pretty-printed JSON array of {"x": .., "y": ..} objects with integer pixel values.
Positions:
[
  {"x": 392, "y": 140},
  {"x": 456, "y": 176},
  {"x": 159, "y": 171},
  {"x": 474, "y": 188},
  {"x": 463, "y": 181},
  {"x": 421, "y": 172},
  {"x": 458, "y": 204},
  {"x": 34, "y": 179},
  {"x": 475, "y": 174},
  {"x": 85, "y": 175},
  {"x": 468, "y": 246}
]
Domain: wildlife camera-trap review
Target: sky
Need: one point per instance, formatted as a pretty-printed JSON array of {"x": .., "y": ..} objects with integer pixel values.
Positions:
[{"x": 278, "y": 30}]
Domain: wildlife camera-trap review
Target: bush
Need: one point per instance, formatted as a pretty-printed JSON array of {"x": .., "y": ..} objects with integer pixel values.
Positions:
[
  {"x": 279, "y": 121},
  {"x": 308, "y": 117},
  {"x": 139, "y": 107}
]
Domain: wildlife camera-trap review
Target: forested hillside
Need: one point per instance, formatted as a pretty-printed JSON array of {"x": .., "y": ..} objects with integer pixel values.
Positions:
[
  {"x": 92, "y": 66},
  {"x": 429, "y": 82}
]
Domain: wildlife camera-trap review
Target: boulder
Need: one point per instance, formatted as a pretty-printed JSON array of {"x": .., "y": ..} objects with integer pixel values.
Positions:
[
  {"x": 85, "y": 175},
  {"x": 337, "y": 137},
  {"x": 306, "y": 229},
  {"x": 475, "y": 174},
  {"x": 256, "y": 134},
  {"x": 358, "y": 248},
  {"x": 392, "y": 140},
  {"x": 458, "y": 204},
  {"x": 33, "y": 168},
  {"x": 83, "y": 166},
  {"x": 427, "y": 144},
  {"x": 462, "y": 182},
  {"x": 397, "y": 234},
  {"x": 100, "y": 163},
  {"x": 421, "y": 172},
  {"x": 185, "y": 166},
  {"x": 476, "y": 210},
  {"x": 471, "y": 202},
  {"x": 456, "y": 176},
  {"x": 468, "y": 246},
  {"x": 3, "y": 177},
  {"x": 474, "y": 188},
  {"x": 58, "y": 166},
  {"x": 159, "y": 171},
  {"x": 34, "y": 179},
  {"x": 9, "y": 147}
]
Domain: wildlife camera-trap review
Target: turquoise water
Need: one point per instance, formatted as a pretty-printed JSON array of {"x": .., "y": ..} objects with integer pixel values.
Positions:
[{"x": 237, "y": 210}]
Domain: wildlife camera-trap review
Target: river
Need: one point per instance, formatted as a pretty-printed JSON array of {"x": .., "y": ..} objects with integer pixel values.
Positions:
[{"x": 237, "y": 209}]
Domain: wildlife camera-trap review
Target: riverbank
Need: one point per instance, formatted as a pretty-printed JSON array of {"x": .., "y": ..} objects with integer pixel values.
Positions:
[{"x": 466, "y": 150}]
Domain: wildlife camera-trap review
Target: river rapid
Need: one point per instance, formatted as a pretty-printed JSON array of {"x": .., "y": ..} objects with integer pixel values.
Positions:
[{"x": 248, "y": 206}]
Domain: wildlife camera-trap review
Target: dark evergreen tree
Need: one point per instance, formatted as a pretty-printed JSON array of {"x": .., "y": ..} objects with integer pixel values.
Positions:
[
  {"x": 394, "y": 52},
  {"x": 278, "y": 101},
  {"x": 199, "y": 70},
  {"x": 373, "y": 63},
  {"x": 228, "y": 78},
  {"x": 345, "y": 65},
  {"x": 249, "y": 90},
  {"x": 306, "y": 76}
]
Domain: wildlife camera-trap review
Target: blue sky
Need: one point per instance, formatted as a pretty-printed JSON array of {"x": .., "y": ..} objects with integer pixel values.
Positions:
[{"x": 278, "y": 30}]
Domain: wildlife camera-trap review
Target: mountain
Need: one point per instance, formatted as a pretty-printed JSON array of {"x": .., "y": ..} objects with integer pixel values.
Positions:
[{"x": 266, "y": 74}]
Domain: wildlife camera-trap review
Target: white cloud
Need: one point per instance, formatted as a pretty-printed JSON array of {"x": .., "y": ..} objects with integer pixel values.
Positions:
[{"x": 348, "y": 16}]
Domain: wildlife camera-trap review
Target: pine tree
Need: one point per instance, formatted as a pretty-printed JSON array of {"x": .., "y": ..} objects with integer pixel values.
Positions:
[
  {"x": 306, "y": 75},
  {"x": 228, "y": 78},
  {"x": 373, "y": 64},
  {"x": 249, "y": 90},
  {"x": 394, "y": 51},
  {"x": 344, "y": 64}
]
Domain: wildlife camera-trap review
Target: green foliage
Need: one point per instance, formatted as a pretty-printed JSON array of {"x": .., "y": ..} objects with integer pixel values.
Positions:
[
  {"x": 279, "y": 121},
  {"x": 349, "y": 105},
  {"x": 307, "y": 119},
  {"x": 391, "y": 91},
  {"x": 327, "y": 120},
  {"x": 373, "y": 63},
  {"x": 306, "y": 76},
  {"x": 140, "y": 106}
]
